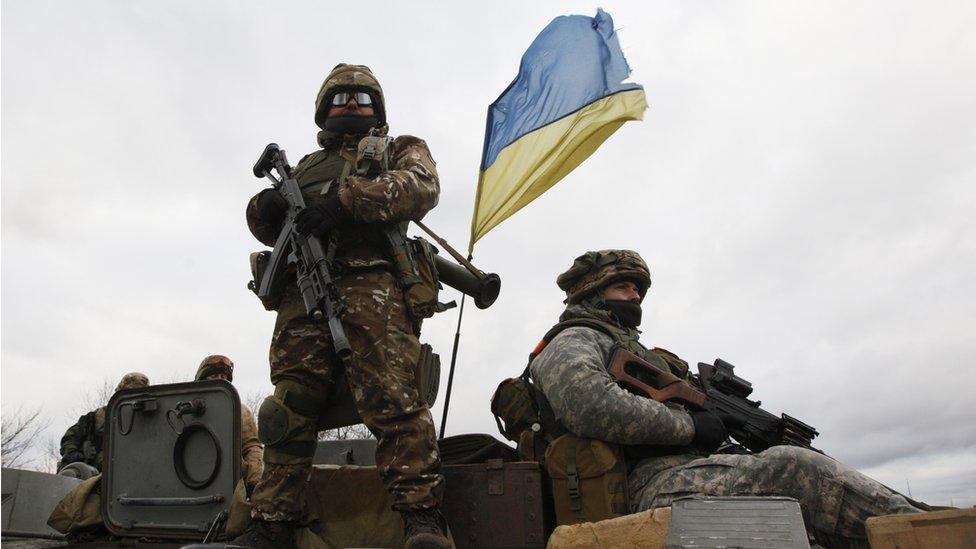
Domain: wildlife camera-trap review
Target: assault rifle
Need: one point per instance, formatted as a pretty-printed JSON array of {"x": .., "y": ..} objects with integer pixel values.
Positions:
[
  {"x": 719, "y": 391},
  {"x": 319, "y": 291}
]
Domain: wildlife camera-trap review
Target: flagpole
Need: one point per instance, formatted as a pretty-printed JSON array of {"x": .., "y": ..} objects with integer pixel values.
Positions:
[{"x": 450, "y": 375}]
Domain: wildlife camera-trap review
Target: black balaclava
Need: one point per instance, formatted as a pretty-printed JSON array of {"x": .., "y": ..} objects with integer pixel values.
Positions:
[{"x": 627, "y": 312}]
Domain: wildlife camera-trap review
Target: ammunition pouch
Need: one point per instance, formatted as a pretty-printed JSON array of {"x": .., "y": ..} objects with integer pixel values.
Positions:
[
  {"x": 416, "y": 275},
  {"x": 421, "y": 297},
  {"x": 373, "y": 155},
  {"x": 259, "y": 263},
  {"x": 286, "y": 421},
  {"x": 514, "y": 408},
  {"x": 524, "y": 416},
  {"x": 589, "y": 479},
  {"x": 428, "y": 374}
]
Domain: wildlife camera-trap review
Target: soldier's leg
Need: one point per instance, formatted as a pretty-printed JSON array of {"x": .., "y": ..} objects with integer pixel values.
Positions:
[
  {"x": 302, "y": 369},
  {"x": 381, "y": 379},
  {"x": 835, "y": 499}
]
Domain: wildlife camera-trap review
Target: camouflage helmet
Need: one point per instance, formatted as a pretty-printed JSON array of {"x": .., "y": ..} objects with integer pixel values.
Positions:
[
  {"x": 215, "y": 364},
  {"x": 345, "y": 77},
  {"x": 133, "y": 380},
  {"x": 595, "y": 270}
]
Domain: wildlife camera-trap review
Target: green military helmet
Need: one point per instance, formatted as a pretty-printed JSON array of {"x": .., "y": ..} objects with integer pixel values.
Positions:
[
  {"x": 346, "y": 77},
  {"x": 133, "y": 380},
  {"x": 215, "y": 364},
  {"x": 595, "y": 270}
]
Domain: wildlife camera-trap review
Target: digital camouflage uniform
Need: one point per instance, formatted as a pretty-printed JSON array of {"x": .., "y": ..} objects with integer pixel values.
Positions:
[
  {"x": 571, "y": 372},
  {"x": 83, "y": 441},
  {"x": 252, "y": 452},
  {"x": 304, "y": 367}
]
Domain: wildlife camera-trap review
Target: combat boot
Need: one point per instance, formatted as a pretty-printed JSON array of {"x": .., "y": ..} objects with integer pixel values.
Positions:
[
  {"x": 425, "y": 529},
  {"x": 264, "y": 534}
]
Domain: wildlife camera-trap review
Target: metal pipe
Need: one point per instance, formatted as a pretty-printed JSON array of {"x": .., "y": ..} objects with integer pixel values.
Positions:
[{"x": 483, "y": 289}]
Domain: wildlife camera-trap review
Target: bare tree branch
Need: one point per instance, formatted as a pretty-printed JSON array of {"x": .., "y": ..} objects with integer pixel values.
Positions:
[
  {"x": 96, "y": 397},
  {"x": 51, "y": 457},
  {"x": 18, "y": 434},
  {"x": 346, "y": 433},
  {"x": 253, "y": 400}
]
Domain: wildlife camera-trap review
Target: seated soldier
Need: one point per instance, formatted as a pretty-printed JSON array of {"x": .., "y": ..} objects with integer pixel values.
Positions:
[
  {"x": 670, "y": 449},
  {"x": 82, "y": 442},
  {"x": 252, "y": 451}
]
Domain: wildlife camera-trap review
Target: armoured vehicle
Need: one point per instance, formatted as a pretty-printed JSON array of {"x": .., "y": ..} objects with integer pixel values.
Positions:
[{"x": 173, "y": 464}]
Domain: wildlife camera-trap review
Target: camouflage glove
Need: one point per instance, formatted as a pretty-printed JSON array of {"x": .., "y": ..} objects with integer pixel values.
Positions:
[
  {"x": 321, "y": 218},
  {"x": 710, "y": 431},
  {"x": 272, "y": 207}
]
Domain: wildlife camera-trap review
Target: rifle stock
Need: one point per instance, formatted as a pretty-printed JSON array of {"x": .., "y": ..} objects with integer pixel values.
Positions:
[
  {"x": 723, "y": 393},
  {"x": 628, "y": 369}
]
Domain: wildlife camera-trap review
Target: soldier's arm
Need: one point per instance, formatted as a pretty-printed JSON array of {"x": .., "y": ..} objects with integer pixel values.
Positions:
[
  {"x": 252, "y": 452},
  {"x": 570, "y": 371},
  {"x": 74, "y": 438},
  {"x": 266, "y": 233},
  {"x": 407, "y": 191}
]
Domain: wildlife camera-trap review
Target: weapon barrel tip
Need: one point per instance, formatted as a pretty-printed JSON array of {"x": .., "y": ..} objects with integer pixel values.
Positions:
[{"x": 488, "y": 289}]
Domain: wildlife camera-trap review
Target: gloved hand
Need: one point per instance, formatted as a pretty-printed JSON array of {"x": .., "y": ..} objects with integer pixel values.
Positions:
[
  {"x": 72, "y": 457},
  {"x": 321, "y": 218},
  {"x": 272, "y": 207},
  {"x": 710, "y": 431}
]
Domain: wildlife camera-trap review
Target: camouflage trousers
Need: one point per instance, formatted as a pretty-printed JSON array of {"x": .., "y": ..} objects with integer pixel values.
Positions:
[
  {"x": 835, "y": 499},
  {"x": 380, "y": 376}
]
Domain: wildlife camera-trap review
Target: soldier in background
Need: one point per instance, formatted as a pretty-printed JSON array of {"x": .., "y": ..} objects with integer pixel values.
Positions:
[
  {"x": 83, "y": 441},
  {"x": 669, "y": 449},
  {"x": 252, "y": 452},
  {"x": 353, "y": 209}
]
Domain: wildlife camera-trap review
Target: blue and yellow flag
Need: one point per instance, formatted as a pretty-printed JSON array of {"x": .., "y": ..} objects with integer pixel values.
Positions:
[{"x": 568, "y": 98}]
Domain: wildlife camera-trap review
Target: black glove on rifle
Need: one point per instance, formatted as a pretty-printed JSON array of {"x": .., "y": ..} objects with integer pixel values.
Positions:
[
  {"x": 272, "y": 207},
  {"x": 710, "y": 431},
  {"x": 319, "y": 219}
]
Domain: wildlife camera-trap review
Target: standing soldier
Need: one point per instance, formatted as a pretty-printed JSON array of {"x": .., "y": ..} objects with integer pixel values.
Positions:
[
  {"x": 221, "y": 367},
  {"x": 83, "y": 441},
  {"x": 355, "y": 207}
]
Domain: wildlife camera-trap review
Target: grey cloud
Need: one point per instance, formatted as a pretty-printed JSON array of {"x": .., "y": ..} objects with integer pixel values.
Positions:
[{"x": 801, "y": 186}]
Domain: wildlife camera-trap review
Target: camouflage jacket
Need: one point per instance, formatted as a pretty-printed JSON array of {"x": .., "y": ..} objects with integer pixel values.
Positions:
[
  {"x": 406, "y": 191},
  {"x": 571, "y": 373},
  {"x": 252, "y": 452},
  {"x": 85, "y": 437}
]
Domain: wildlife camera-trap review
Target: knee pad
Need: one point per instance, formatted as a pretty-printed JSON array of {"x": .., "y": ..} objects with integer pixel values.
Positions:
[
  {"x": 286, "y": 420},
  {"x": 274, "y": 421}
]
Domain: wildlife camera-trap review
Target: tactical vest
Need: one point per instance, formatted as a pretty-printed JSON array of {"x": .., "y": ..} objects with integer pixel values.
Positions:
[
  {"x": 519, "y": 406},
  {"x": 588, "y": 476},
  {"x": 321, "y": 174}
]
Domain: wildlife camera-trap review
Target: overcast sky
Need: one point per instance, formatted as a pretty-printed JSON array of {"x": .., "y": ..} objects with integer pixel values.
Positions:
[{"x": 802, "y": 187}]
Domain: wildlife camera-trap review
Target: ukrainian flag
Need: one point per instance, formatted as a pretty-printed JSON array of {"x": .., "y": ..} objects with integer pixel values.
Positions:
[{"x": 568, "y": 98}]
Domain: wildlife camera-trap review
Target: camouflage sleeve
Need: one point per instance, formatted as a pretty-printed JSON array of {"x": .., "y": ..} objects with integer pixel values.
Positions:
[
  {"x": 570, "y": 371},
  {"x": 73, "y": 438},
  {"x": 252, "y": 452},
  {"x": 405, "y": 192},
  {"x": 264, "y": 232}
]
